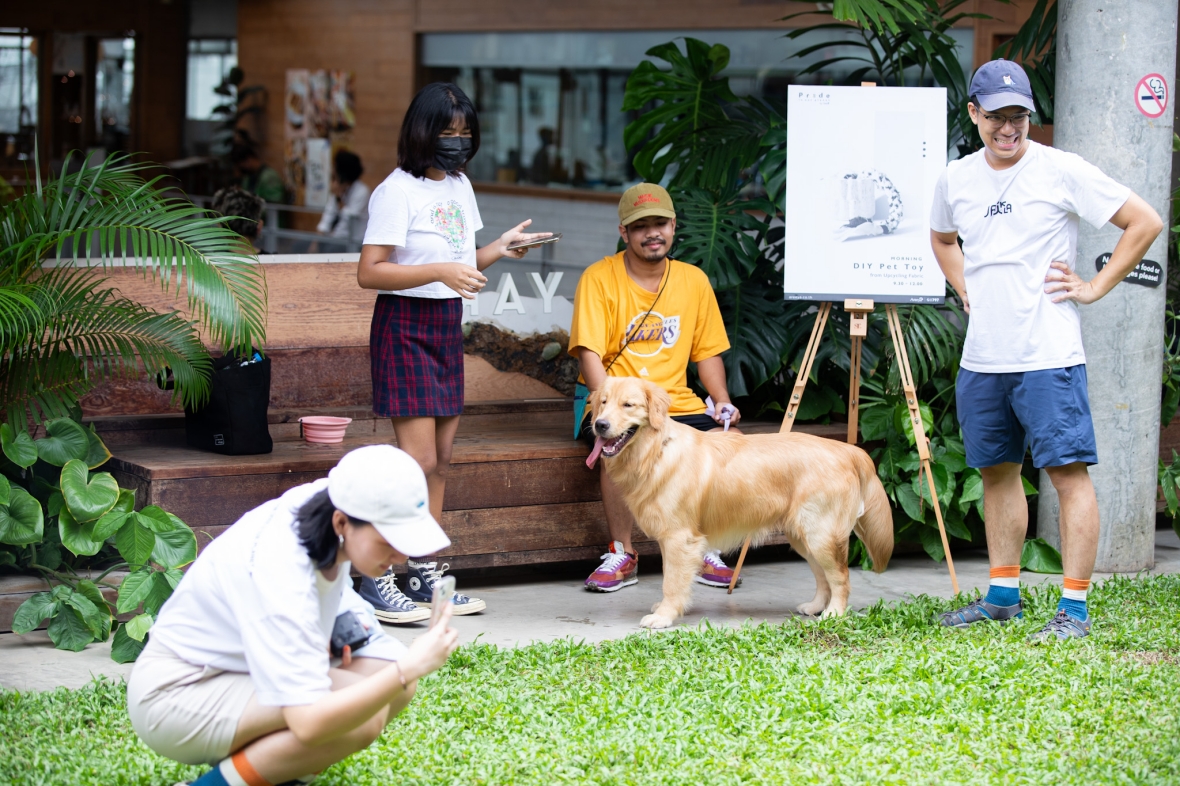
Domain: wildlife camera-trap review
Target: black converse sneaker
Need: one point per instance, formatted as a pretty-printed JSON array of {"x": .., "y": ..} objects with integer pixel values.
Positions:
[
  {"x": 389, "y": 603},
  {"x": 423, "y": 576}
]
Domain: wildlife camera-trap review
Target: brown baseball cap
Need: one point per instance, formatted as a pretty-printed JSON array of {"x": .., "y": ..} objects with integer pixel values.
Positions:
[{"x": 645, "y": 199}]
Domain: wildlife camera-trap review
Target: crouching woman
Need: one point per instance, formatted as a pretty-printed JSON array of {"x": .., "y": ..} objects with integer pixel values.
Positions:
[{"x": 237, "y": 671}]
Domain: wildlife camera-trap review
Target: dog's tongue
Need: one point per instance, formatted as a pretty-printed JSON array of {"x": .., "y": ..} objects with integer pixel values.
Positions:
[{"x": 595, "y": 453}]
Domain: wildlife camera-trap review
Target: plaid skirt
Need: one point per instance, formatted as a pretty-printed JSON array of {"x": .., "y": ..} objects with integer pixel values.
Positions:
[{"x": 416, "y": 355}]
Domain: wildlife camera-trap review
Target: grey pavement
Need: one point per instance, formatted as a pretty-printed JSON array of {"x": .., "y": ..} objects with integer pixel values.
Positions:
[{"x": 539, "y": 609}]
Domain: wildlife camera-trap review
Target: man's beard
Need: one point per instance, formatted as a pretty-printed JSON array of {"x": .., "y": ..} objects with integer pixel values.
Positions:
[{"x": 658, "y": 255}]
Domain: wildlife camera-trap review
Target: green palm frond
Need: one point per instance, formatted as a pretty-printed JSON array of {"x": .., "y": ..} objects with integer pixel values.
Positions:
[
  {"x": 62, "y": 330},
  {"x": 108, "y": 215},
  {"x": 90, "y": 334}
]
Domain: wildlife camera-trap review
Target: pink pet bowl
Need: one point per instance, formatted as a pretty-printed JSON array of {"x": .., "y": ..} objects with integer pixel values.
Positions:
[{"x": 324, "y": 429}]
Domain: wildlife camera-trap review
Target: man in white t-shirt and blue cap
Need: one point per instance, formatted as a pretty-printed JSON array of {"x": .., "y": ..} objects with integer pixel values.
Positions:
[{"x": 1022, "y": 381}]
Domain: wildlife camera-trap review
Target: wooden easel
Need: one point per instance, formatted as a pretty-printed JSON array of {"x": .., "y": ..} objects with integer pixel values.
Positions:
[{"x": 859, "y": 309}]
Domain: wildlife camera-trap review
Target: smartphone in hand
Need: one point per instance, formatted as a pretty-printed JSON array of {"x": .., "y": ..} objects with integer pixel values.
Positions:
[{"x": 444, "y": 593}]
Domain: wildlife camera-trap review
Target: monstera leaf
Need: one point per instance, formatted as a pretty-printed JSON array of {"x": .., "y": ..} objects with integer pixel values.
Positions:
[{"x": 690, "y": 98}]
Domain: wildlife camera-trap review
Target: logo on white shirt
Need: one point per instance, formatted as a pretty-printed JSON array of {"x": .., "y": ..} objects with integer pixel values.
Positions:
[
  {"x": 998, "y": 208},
  {"x": 447, "y": 217}
]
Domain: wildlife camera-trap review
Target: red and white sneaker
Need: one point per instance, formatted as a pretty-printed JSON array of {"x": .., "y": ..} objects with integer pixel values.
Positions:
[
  {"x": 714, "y": 572},
  {"x": 618, "y": 569}
]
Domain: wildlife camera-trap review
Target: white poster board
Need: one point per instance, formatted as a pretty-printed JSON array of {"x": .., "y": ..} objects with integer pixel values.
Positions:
[{"x": 862, "y": 163}]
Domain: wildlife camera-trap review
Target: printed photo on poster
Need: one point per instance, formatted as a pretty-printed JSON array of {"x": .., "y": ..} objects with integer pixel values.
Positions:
[
  {"x": 862, "y": 164},
  {"x": 320, "y": 114}
]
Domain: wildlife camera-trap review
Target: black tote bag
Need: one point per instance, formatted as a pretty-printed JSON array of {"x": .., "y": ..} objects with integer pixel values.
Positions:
[{"x": 233, "y": 420}]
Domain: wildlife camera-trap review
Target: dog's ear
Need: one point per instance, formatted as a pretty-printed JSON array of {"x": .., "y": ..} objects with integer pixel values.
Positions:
[
  {"x": 594, "y": 399},
  {"x": 658, "y": 404}
]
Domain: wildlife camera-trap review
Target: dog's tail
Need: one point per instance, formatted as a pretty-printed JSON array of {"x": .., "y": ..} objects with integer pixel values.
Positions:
[{"x": 875, "y": 525}]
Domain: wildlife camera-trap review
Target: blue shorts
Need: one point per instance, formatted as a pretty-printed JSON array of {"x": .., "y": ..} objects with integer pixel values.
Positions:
[{"x": 1045, "y": 411}]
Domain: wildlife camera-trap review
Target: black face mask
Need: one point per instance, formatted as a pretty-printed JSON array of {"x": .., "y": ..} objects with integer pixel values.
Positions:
[{"x": 451, "y": 152}]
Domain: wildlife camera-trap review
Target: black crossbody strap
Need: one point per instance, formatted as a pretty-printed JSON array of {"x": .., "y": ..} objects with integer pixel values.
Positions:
[{"x": 631, "y": 336}]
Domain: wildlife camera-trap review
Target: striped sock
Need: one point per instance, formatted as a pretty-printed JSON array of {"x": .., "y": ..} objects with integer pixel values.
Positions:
[
  {"x": 1073, "y": 598},
  {"x": 235, "y": 770},
  {"x": 1004, "y": 589}
]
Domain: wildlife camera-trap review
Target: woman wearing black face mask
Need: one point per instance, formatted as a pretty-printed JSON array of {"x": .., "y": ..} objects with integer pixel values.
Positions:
[{"x": 419, "y": 252}]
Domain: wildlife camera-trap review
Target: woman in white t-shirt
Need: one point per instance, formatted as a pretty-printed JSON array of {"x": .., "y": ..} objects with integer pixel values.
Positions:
[
  {"x": 419, "y": 252},
  {"x": 237, "y": 670}
]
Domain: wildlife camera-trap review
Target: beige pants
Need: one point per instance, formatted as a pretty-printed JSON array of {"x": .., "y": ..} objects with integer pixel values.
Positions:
[{"x": 184, "y": 712}]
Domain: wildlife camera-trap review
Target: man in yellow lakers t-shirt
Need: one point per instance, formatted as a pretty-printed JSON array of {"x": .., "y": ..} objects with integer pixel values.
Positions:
[{"x": 640, "y": 314}]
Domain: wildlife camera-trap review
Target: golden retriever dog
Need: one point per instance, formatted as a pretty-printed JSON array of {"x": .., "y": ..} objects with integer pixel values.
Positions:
[{"x": 692, "y": 491}]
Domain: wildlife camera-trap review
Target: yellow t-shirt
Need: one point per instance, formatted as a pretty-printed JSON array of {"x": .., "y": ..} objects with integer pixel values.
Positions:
[{"x": 685, "y": 325}]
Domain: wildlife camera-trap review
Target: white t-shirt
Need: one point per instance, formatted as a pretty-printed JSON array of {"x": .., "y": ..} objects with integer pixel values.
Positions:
[
  {"x": 428, "y": 221},
  {"x": 338, "y": 215},
  {"x": 1014, "y": 223},
  {"x": 254, "y": 603}
]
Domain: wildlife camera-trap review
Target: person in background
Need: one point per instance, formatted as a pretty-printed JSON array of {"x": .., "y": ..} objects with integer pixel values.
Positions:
[
  {"x": 347, "y": 213},
  {"x": 257, "y": 177},
  {"x": 246, "y": 209},
  {"x": 264, "y": 662},
  {"x": 420, "y": 253}
]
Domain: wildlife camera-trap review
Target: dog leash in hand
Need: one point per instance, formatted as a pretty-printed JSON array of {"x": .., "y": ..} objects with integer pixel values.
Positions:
[{"x": 726, "y": 411}]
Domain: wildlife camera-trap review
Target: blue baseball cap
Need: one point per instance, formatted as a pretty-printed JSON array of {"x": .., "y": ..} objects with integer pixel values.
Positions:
[{"x": 1002, "y": 83}]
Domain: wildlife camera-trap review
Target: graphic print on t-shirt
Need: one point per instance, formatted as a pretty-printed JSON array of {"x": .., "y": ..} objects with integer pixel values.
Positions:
[
  {"x": 654, "y": 334},
  {"x": 447, "y": 217}
]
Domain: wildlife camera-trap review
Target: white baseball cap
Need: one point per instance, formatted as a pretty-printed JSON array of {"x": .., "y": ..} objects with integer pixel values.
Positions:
[{"x": 385, "y": 487}]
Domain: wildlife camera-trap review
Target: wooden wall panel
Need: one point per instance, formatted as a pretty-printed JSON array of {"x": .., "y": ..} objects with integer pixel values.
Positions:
[{"x": 372, "y": 38}]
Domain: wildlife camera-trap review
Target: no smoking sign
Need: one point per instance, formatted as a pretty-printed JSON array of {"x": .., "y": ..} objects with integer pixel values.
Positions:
[{"x": 1151, "y": 95}]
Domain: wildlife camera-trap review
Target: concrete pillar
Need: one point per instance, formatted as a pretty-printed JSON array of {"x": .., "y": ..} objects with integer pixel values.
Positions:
[{"x": 1104, "y": 48}]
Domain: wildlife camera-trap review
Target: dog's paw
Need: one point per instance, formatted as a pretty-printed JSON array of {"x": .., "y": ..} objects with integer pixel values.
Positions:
[
  {"x": 656, "y": 621},
  {"x": 811, "y": 609},
  {"x": 831, "y": 611}
]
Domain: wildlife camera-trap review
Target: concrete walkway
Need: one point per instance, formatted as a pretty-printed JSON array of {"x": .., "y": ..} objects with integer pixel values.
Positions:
[{"x": 526, "y": 610}]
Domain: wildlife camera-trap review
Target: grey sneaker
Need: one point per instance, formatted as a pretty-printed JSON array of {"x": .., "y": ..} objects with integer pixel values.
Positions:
[
  {"x": 979, "y": 610},
  {"x": 1063, "y": 627},
  {"x": 389, "y": 603}
]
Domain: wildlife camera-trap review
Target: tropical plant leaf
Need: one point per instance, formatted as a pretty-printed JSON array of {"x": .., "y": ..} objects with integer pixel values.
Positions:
[
  {"x": 932, "y": 543},
  {"x": 138, "y": 626},
  {"x": 89, "y": 612},
  {"x": 125, "y": 649},
  {"x": 98, "y": 453},
  {"x": 94, "y": 594},
  {"x": 66, "y": 441},
  {"x": 114, "y": 519},
  {"x": 21, "y": 521},
  {"x": 68, "y": 629},
  {"x": 33, "y": 612},
  {"x": 158, "y": 593},
  {"x": 1038, "y": 556},
  {"x": 175, "y": 548},
  {"x": 19, "y": 448},
  {"x": 156, "y": 519},
  {"x": 87, "y": 497},
  {"x": 135, "y": 542},
  {"x": 78, "y": 538},
  {"x": 687, "y": 98},
  {"x": 133, "y": 590}
]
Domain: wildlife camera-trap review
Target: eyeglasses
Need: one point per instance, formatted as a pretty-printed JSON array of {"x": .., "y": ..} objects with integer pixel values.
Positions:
[{"x": 1019, "y": 119}]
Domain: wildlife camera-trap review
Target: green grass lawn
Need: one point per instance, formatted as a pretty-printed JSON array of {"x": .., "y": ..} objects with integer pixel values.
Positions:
[{"x": 877, "y": 697}]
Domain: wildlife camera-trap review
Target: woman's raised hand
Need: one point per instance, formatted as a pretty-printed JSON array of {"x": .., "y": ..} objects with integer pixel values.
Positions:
[
  {"x": 430, "y": 650},
  {"x": 464, "y": 279},
  {"x": 518, "y": 235}
]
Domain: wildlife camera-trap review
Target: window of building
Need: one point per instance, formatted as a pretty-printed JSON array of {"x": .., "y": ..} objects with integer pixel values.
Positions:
[
  {"x": 209, "y": 61},
  {"x": 18, "y": 94},
  {"x": 550, "y": 104},
  {"x": 114, "y": 83}
]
